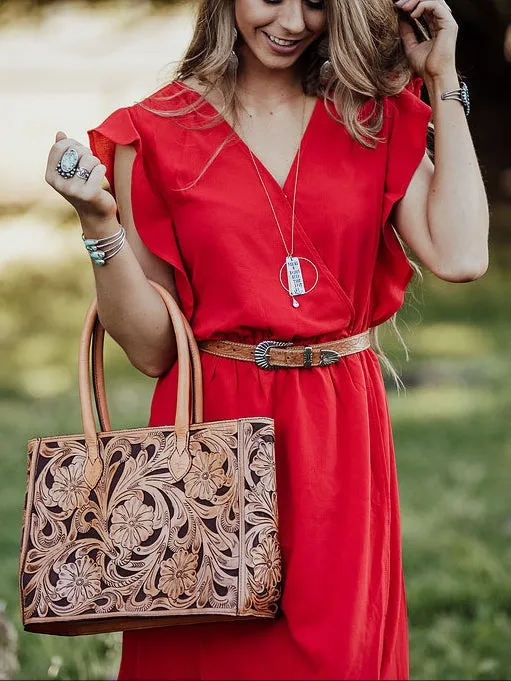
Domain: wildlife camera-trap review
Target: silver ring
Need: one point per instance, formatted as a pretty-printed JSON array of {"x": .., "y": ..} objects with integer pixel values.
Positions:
[
  {"x": 82, "y": 173},
  {"x": 67, "y": 165}
]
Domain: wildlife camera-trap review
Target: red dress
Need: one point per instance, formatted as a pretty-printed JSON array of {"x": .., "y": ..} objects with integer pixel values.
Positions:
[{"x": 343, "y": 611}]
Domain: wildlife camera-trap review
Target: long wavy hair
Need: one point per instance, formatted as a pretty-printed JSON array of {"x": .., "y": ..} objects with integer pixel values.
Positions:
[{"x": 364, "y": 48}]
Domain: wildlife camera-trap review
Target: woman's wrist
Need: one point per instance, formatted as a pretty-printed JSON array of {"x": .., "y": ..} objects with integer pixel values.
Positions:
[
  {"x": 94, "y": 227},
  {"x": 443, "y": 82}
]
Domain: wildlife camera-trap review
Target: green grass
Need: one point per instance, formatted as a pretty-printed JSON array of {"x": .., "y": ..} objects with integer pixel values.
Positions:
[
  {"x": 453, "y": 442},
  {"x": 454, "y": 472}
]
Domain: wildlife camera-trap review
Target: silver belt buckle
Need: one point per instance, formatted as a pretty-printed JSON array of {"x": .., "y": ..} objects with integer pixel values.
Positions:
[
  {"x": 262, "y": 353},
  {"x": 328, "y": 357}
]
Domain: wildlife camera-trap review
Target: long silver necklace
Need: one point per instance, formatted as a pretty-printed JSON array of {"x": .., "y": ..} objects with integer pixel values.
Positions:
[{"x": 295, "y": 282}]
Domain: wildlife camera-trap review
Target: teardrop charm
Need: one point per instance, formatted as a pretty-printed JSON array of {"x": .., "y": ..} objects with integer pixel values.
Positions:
[{"x": 295, "y": 302}]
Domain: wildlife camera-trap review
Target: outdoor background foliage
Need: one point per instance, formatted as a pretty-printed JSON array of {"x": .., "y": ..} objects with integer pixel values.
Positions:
[{"x": 452, "y": 427}]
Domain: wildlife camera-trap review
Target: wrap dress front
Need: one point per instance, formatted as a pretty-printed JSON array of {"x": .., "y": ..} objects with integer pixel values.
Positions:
[{"x": 343, "y": 612}]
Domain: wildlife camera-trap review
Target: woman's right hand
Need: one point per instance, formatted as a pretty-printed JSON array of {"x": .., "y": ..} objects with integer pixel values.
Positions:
[{"x": 91, "y": 200}]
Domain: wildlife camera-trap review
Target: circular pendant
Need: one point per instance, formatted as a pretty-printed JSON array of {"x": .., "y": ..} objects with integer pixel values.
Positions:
[{"x": 298, "y": 288}]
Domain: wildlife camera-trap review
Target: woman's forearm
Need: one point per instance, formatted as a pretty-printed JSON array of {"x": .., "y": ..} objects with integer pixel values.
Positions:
[
  {"x": 457, "y": 205},
  {"x": 129, "y": 308}
]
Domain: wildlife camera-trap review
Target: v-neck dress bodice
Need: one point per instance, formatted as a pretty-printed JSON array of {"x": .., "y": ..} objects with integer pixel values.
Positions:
[
  {"x": 238, "y": 136},
  {"x": 198, "y": 204}
]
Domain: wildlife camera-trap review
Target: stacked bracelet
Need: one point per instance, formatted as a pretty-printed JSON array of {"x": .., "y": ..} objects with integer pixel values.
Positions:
[
  {"x": 101, "y": 250},
  {"x": 461, "y": 94}
]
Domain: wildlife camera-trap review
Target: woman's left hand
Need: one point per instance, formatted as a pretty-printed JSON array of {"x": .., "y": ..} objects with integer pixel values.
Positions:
[{"x": 435, "y": 57}]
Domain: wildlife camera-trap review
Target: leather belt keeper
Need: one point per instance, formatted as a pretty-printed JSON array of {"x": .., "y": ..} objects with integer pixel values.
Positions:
[{"x": 271, "y": 354}]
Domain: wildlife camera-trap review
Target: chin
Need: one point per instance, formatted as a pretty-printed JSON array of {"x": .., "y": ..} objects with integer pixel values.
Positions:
[
  {"x": 278, "y": 64},
  {"x": 269, "y": 62},
  {"x": 275, "y": 62}
]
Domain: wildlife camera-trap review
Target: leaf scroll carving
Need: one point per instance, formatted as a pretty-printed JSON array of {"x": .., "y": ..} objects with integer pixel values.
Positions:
[{"x": 142, "y": 543}]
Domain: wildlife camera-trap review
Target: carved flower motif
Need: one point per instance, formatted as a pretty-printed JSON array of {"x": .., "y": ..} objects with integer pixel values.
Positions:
[
  {"x": 132, "y": 523},
  {"x": 267, "y": 564},
  {"x": 205, "y": 476},
  {"x": 79, "y": 581},
  {"x": 179, "y": 574},
  {"x": 69, "y": 489},
  {"x": 263, "y": 465}
]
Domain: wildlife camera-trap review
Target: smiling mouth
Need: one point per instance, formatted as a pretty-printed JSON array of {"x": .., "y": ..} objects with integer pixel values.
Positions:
[{"x": 281, "y": 42}]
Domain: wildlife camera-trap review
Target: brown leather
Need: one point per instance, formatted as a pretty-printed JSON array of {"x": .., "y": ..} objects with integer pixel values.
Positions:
[
  {"x": 149, "y": 527},
  {"x": 293, "y": 356},
  {"x": 104, "y": 625}
]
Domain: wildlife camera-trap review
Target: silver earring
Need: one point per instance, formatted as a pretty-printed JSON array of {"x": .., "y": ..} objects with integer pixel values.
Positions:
[
  {"x": 233, "y": 61},
  {"x": 327, "y": 70}
]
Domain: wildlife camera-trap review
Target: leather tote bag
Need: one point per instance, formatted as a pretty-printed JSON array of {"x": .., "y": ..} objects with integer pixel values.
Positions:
[{"x": 149, "y": 527}]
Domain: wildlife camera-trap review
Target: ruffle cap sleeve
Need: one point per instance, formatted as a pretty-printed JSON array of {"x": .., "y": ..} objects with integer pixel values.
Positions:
[
  {"x": 151, "y": 214},
  {"x": 407, "y": 120}
]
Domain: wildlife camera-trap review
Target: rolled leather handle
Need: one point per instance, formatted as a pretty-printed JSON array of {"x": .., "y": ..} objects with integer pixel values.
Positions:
[
  {"x": 98, "y": 377},
  {"x": 185, "y": 342}
]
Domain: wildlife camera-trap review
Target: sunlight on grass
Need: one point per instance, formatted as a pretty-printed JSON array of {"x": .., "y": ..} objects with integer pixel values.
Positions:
[
  {"x": 453, "y": 340},
  {"x": 441, "y": 402},
  {"x": 45, "y": 381}
]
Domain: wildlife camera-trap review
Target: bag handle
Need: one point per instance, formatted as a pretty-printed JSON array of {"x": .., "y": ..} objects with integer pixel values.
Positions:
[
  {"x": 179, "y": 460},
  {"x": 98, "y": 377}
]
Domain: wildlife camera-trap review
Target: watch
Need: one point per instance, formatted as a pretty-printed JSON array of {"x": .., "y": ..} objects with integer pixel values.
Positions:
[{"x": 461, "y": 95}]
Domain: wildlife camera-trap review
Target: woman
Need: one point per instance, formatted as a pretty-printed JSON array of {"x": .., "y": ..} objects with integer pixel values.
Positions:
[{"x": 269, "y": 213}]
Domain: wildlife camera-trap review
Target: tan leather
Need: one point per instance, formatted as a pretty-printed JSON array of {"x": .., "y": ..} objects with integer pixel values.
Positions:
[
  {"x": 197, "y": 396},
  {"x": 149, "y": 527},
  {"x": 98, "y": 376},
  {"x": 184, "y": 341},
  {"x": 289, "y": 357}
]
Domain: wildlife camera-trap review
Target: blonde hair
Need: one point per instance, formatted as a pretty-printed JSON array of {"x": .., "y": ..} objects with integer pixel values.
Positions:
[
  {"x": 364, "y": 47},
  {"x": 368, "y": 62}
]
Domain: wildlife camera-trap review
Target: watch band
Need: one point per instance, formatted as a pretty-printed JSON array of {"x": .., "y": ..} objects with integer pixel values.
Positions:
[{"x": 461, "y": 94}]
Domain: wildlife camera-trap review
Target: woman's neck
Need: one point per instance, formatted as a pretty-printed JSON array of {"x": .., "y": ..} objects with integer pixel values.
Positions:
[{"x": 258, "y": 84}]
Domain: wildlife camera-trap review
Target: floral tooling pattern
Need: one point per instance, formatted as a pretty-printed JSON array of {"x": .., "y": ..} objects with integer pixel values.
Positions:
[{"x": 142, "y": 543}]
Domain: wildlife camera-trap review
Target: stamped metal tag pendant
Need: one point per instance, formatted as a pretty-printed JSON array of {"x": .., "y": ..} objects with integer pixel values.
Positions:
[{"x": 295, "y": 283}]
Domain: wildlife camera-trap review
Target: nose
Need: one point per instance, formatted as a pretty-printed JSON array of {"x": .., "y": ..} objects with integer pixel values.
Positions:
[{"x": 291, "y": 18}]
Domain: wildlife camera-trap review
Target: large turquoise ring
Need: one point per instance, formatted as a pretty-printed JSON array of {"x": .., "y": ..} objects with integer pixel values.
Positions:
[{"x": 68, "y": 164}]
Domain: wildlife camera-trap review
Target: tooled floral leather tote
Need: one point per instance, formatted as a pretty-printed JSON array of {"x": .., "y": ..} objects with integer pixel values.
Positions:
[{"x": 149, "y": 527}]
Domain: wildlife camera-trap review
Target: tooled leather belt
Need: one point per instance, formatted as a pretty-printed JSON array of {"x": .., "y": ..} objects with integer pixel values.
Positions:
[{"x": 270, "y": 354}]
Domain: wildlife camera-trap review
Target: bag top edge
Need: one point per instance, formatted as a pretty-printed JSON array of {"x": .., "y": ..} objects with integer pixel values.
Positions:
[{"x": 264, "y": 419}]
